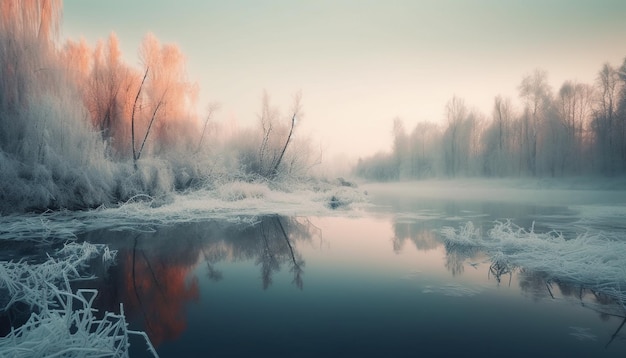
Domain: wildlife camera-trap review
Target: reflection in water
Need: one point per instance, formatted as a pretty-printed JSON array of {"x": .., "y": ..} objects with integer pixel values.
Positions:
[
  {"x": 277, "y": 249},
  {"x": 457, "y": 255},
  {"x": 423, "y": 232},
  {"x": 156, "y": 286},
  {"x": 539, "y": 285},
  {"x": 454, "y": 262},
  {"x": 500, "y": 268},
  {"x": 152, "y": 277},
  {"x": 420, "y": 233}
]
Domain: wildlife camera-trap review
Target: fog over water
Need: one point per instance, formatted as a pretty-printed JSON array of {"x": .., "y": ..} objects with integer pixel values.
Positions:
[{"x": 138, "y": 217}]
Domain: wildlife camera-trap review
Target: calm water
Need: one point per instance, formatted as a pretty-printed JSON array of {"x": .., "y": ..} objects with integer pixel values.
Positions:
[{"x": 378, "y": 285}]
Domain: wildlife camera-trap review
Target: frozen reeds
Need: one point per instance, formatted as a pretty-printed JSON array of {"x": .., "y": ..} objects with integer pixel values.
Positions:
[
  {"x": 595, "y": 261},
  {"x": 63, "y": 322}
]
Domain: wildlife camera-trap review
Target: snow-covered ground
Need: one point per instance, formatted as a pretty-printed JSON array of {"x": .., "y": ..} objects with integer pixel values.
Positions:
[{"x": 232, "y": 201}]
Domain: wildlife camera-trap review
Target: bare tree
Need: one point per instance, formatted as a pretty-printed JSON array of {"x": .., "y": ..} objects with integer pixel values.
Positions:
[
  {"x": 132, "y": 119},
  {"x": 497, "y": 138},
  {"x": 456, "y": 113},
  {"x": 212, "y": 108},
  {"x": 425, "y": 142},
  {"x": 267, "y": 118},
  {"x": 605, "y": 117},
  {"x": 295, "y": 112},
  {"x": 276, "y": 138},
  {"x": 400, "y": 148},
  {"x": 573, "y": 106},
  {"x": 535, "y": 92}
]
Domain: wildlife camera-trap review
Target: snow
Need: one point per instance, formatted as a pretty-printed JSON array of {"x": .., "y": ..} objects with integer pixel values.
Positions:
[
  {"x": 63, "y": 322},
  {"x": 232, "y": 201},
  {"x": 593, "y": 260}
]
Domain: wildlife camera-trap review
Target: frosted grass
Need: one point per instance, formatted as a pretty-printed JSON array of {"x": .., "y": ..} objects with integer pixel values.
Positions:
[
  {"x": 593, "y": 260},
  {"x": 232, "y": 201},
  {"x": 62, "y": 322}
]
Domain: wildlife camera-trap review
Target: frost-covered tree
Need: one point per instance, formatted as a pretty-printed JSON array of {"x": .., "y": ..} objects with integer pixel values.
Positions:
[
  {"x": 573, "y": 105},
  {"x": 580, "y": 130},
  {"x": 50, "y": 157},
  {"x": 497, "y": 138},
  {"x": 460, "y": 140},
  {"x": 604, "y": 123},
  {"x": 621, "y": 112},
  {"x": 425, "y": 149},
  {"x": 165, "y": 100},
  {"x": 536, "y": 95},
  {"x": 401, "y": 149},
  {"x": 275, "y": 149}
]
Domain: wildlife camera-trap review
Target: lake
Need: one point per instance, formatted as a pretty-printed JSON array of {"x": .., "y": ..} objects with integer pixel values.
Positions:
[{"x": 382, "y": 281}]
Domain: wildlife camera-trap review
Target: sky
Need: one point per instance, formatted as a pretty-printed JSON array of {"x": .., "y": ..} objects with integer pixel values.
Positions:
[{"x": 361, "y": 63}]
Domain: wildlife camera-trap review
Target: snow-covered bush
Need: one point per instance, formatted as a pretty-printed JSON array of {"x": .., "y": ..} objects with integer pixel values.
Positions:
[{"x": 238, "y": 190}]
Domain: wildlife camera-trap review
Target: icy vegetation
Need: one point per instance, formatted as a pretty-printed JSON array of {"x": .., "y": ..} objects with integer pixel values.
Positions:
[
  {"x": 594, "y": 261},
  {"x": 80, "y": 128},
  {"x": 63, "y": 322},
  {"x": 232, "y": 201}
]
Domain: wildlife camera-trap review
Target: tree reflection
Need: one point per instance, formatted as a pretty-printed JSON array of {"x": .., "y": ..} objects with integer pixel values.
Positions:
[
  {"x": 276, "y": 248},
  {"x": 454, "y": 263},
  {"x": 157, "y": 287},
  {"x": 421, "y": 234},
  {"x": 541, "y": 285},
  {"x": 500, "y": 268},
  {"x": 153, "y": 277},
  {"x": 211, "y": 256},
  {"x": 457, "y": 255}
]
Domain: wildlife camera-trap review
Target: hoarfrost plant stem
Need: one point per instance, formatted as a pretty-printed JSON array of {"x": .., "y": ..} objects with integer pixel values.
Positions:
[
  {"x": 63, "y": 322},
  {"x": 595, "y": 261}
]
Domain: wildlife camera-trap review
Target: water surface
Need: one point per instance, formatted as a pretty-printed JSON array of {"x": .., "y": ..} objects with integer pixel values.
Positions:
[{"x": 380, "y": 283}]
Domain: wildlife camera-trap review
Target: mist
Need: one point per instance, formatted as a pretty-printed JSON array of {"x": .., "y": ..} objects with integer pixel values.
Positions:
[
  {"x": 579, "y": 130},
  {"x": 81, "y": 127}
]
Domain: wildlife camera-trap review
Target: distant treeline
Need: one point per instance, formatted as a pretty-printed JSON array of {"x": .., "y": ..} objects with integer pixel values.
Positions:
[{"x": 579, "y": 130}]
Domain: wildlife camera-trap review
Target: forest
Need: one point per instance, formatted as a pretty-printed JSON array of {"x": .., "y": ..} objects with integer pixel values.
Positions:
[
  {"x": 580, "y": 130},
  {"x": 80, "y": 128}
]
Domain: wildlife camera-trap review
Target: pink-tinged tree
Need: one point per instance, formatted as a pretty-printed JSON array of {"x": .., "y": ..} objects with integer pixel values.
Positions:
[
  {"x": 164, "y": 101},
  {"x": 49, "y": 155}
]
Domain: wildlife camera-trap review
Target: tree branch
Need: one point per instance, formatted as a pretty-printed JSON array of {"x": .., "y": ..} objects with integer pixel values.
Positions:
[{"x": 132, "y": 118}]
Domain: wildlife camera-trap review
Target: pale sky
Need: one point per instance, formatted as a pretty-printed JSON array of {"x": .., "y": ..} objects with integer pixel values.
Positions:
[{"x": 360, "y": 63}]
